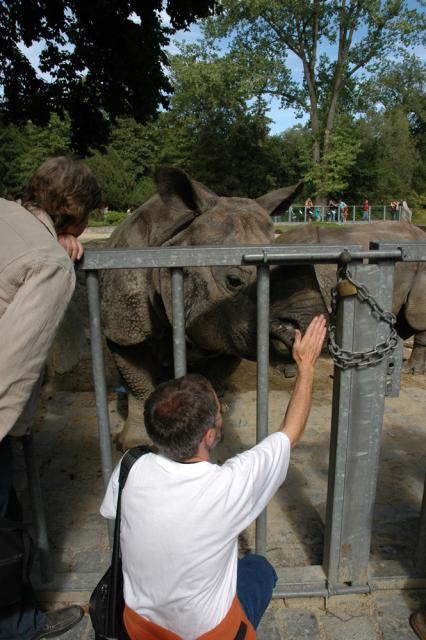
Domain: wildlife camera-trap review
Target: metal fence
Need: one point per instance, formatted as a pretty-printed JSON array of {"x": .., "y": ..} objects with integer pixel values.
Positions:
[
  {"x": 355, "y": 213},
  {"x": 357, "y": 406}
]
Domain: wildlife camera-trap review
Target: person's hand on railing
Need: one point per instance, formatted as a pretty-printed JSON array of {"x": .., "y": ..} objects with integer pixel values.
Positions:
[{"x": 72, "y": 246}]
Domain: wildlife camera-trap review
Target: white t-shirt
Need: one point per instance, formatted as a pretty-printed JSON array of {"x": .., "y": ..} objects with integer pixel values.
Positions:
[{"x": 179, "y": 529}]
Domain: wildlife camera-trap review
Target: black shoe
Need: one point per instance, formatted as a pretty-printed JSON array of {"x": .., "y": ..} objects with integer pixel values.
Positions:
[{"x": 59, "y": 621}]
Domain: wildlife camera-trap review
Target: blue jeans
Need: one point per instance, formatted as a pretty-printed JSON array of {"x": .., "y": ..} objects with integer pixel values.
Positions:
[
  {"x": 256, "y": 579},
  {"x": 22, "y": 620}
]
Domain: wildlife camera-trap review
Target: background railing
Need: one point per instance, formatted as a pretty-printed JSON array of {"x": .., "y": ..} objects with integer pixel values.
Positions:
[{"x": 324, "y": 213}]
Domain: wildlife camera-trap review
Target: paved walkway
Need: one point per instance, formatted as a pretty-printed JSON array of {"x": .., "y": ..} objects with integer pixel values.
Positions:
[{"x": 68, "y": 453}]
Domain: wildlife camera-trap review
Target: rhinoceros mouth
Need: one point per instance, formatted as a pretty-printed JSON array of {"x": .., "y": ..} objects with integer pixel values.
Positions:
[{"x": 282, "y": 334}]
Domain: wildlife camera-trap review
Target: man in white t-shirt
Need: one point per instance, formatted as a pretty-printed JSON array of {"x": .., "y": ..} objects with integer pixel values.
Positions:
[{"x": 181, "y": 515}]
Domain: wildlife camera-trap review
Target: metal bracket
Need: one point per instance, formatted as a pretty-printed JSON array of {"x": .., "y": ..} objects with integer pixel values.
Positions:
[{"x": 393, "y": 371}]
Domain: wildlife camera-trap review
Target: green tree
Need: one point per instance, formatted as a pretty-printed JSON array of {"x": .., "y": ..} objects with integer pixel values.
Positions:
[
  {"x": 397, "y": 157},
  {"x": 332, "y": 174},
  {"x": 114, "y": 178},
  {"x": 212, "y": 132},
  {"x": 264, "y": 33},
  {"x": 137, "y": 145},
  {"x": 401, "y": 86},
  {"x": 23, "y": 149},
  {"x": 99, "y": 60}
]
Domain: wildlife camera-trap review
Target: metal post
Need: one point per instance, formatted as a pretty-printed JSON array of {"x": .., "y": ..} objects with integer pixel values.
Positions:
[
  {"x": 357, "y": 418},
  {"x": 353, "y": 213},
  {"x": 421, "y": 544},
  {"x": 46, "y": 570},
  {"x": 262, "y": 381},
  {"x": 305, "y": 214},
  {"x": 369, "y": 214},
  {"x": 384, "y": 212},
  {"x": 289, "y": 214},
  {"x": 100, "y": 381},
  {"x": 178, "y": 316}
]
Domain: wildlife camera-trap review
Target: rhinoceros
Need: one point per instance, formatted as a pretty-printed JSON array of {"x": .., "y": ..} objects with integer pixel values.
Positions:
[
  {"x": 219, "y": 302},
  {"x": 300, "y": 292}
]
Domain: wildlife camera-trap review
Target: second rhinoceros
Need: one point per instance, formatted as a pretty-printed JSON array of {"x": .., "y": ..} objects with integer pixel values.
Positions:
[
  {"x": 219, "y": 302},
  {"x": 300, "y": 292}
]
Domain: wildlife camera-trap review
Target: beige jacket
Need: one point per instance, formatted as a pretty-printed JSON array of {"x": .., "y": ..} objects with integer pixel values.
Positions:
[{"x": 36, "y": 283}]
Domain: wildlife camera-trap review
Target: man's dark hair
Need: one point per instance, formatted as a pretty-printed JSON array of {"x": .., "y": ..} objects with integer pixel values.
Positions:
[
  {"x": 178, "y": 414},
  {"x": 66, "y": 189}
]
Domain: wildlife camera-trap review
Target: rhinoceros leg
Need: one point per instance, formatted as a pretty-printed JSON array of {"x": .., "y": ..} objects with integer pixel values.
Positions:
[
  {"x": 417, "y": 361},
  {"x": 415, "y": 312},
  {"x": 141, "y": 373}
]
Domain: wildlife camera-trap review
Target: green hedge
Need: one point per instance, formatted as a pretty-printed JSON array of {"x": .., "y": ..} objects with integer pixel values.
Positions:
[{"x": 111, "y": 219}]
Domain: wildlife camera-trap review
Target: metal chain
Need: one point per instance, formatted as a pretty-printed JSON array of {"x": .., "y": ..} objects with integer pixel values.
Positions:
[{"x": 360, "y": 359}]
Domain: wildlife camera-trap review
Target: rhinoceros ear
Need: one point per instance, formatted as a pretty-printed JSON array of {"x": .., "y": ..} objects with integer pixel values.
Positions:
[
  {"x": 182, "y": 194},
  {"x": 279, "y": 200}
]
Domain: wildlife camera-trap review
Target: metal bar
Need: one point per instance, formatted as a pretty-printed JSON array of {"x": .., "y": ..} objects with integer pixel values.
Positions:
[
  {"x": 178, "y": 318},
  {"x": 410, "y": 251},
  {"x": 321, "y": 256},
  {"x": 100, "y": 381},
  {"x": 321, "y": 592},
  {"x": 262, "y": 382},
  {"x": 155, "y": 257},
  {"x": 421, "y": 543},
  {"x": 46, "y": 569},
  {"x": 393, "y": 371},
  {"x": 357, "y": 418}
]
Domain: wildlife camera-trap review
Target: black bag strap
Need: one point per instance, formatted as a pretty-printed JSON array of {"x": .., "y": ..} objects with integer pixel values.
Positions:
[
  {"x": 242, "y": 632},
  {"x": 127, "y": 462}
]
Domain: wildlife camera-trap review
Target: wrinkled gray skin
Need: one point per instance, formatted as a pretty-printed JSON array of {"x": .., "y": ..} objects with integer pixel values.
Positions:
[
  {"x": 300, "y": 292},
  {"x": 220, "y": 302}
]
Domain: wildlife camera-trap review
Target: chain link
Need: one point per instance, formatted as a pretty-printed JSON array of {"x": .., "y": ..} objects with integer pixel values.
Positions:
[{"x": 360, "y": 359}]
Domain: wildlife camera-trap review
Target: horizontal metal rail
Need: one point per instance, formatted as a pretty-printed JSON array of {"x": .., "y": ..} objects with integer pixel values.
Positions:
[
  {"x": 410, "y": 251},
  {"x": 155, "y": 257},
  {"x": 205, "y": 256}
]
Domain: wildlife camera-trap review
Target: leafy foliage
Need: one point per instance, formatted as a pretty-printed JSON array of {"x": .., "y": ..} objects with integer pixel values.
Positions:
[
  {"x": 268, "y": 35},
  {"x": 331, "y": 176},
  {"x": 99, "y": 60}
]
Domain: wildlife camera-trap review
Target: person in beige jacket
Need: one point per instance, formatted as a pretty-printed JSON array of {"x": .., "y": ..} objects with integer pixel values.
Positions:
[{"x": 38, "y": 245}]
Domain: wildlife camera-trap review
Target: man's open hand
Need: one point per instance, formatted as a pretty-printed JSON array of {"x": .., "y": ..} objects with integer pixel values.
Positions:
[
  {"x": 307, "y": 349},
  {"x": 72, "y": 246}
]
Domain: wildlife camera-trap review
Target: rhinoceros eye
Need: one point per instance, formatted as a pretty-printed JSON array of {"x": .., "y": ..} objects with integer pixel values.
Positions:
[{"x": 234, "y": 282}]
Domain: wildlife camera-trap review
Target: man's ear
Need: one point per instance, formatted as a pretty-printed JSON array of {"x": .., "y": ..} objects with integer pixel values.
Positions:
[{"x": 209, "y": 437}]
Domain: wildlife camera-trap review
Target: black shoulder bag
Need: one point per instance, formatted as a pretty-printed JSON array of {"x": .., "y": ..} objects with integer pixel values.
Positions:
[
  {"x": 15, "y": 560},
  {"x": 106, "y": 605}
]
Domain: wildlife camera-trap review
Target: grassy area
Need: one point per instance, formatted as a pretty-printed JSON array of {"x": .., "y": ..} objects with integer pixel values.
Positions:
[
  {"x": 419, "y": 217},
  {"x": 109, "y": 219},
  {"x": 282, "y": 228}
]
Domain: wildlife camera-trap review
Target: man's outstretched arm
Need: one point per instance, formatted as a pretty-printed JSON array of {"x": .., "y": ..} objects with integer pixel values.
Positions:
[{"x": 306, "y": 351}]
